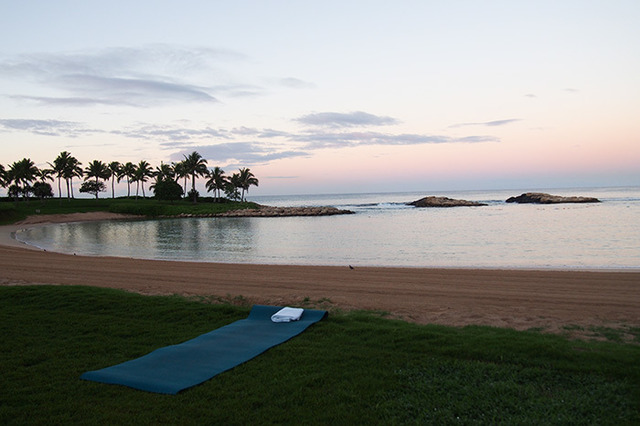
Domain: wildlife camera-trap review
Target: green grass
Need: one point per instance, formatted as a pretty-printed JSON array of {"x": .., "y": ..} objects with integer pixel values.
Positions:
[
  {"x": 351, "y": 368},
  {"x": 620, "y": 334},
  {"x": 11, "y": 211}
]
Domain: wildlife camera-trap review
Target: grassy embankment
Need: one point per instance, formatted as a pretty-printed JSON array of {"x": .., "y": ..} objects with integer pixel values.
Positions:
[
  {"x": 11, "y": 211},
  {"x": 353, "y": 368}
]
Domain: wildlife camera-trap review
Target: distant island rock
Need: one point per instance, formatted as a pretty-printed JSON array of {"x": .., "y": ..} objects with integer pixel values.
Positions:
[
  {"x": 444, "y": 202},
  {"x": 542, "y": 198}
]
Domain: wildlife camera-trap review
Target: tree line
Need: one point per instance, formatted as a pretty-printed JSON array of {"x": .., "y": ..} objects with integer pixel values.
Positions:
[{"x": 22, "y": 178}]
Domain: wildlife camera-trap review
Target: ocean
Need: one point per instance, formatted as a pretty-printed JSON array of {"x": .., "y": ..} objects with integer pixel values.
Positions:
[{"x": 384, "y": 231}]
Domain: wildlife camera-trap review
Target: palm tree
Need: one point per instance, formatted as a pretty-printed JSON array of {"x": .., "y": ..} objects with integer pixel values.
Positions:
[
  {"x": 59, "y": 167},
  {"x": 142, "y": 174},
  {"x": 164, "y": 172},
  {"x": 72, "y": 169},
  {"x": 98, "y": 170},
  {"x": 44, "y": 175},
  {"x": 246, "y": 180},
  {"x": 3, "y": 176},
  {"x": 232, "y": 185},
  {"x": 217, "y": 181},
  {"x": 115, "y": 168},
  {"x": 181, "y": 173},
  {"x": 22, "y": 173},
  {"x": 128, "y": 171},
  {"x": 195, "y": 165},
  {"x": 41, "y": 188}
]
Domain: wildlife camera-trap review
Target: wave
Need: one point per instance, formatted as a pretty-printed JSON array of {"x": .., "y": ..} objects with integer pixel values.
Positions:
[{"x": 381, "y": 205}]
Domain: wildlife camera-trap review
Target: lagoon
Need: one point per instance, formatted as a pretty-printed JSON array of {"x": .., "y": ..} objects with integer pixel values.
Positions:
[{"x": 383, "y": 232}]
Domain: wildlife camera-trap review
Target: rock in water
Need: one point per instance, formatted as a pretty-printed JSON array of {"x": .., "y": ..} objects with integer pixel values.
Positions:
[
  {"x": 542, "y": 198},
  {"x": 444, "y": 202}
]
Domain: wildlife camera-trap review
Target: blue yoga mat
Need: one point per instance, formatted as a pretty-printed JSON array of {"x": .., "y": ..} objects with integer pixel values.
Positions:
[{"x": 174, "y": 368}]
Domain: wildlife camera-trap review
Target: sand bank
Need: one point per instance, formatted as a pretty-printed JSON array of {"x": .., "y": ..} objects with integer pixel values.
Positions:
[{"x": 519, "y": 299}]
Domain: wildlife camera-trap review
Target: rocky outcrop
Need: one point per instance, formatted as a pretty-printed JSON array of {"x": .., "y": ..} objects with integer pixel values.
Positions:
[
  {"x": 542, "y": 198},
  {"x": 266, "y": 211},
  {"x": 444, "y": 202}
]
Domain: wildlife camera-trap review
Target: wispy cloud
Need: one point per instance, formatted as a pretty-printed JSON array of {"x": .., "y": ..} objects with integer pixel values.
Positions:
[
  {"x": 248, "y": 145},
  {"x": 296, "y": 83},
  {"x": 47, "y": 127},
  {"x": 260, "y": 133},
  {"x": 143, "y": 77},
  {"x": 342, "y": 120},
  {"x": 494, "y": 123},
  {"x": 354, "y": 139},
  {"x": 71, "y": 101},
  {"x": 159, "y": 59},
  {"x": 132, "y": 90},
  {"x": 171, "y": 133},
  {"x": 133, "y": 76},
  {"x": 247, "y": 153}
]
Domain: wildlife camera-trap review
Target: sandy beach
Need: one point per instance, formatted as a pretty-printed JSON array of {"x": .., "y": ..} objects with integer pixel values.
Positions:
[{"x": 519, "y": 299}]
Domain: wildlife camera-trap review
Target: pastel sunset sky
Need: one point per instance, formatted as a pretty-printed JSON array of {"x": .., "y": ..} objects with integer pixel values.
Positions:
[{"x": 331, "y": 96}]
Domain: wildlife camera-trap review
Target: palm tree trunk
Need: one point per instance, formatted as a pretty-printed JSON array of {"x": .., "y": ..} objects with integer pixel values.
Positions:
[
  {"x": 193, "y": 186},
  {"x": 25, "y": 194},
  {"x": 185, "y": 186}
]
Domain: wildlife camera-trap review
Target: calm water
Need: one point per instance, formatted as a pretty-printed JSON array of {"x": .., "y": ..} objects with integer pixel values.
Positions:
[{"x": 383, "y": 232}]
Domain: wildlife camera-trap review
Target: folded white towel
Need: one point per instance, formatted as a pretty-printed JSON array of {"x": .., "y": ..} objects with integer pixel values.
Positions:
[{"x": 287, "y": 314}]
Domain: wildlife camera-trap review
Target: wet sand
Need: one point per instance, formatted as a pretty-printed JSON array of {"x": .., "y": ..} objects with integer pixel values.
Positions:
[{"x": 513, "y": 298}]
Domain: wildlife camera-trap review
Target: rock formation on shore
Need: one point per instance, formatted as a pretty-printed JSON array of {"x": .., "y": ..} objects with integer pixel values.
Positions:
[
  {"x": 542, "y": 198},
  {"x": 444, "y": 202},
  {"x": 267, "y": 211}
]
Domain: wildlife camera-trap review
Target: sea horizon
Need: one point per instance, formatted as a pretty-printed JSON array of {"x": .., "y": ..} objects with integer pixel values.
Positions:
[{"x": 516, "y": 190}]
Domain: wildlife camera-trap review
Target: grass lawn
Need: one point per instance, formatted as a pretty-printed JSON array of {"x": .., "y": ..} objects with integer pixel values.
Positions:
[
  {"x": 11, "y": 211},
  {"x": 352, "y": 368}
]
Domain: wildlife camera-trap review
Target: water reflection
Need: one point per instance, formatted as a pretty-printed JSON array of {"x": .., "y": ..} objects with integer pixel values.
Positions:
[{"x": 499, "y": 235}]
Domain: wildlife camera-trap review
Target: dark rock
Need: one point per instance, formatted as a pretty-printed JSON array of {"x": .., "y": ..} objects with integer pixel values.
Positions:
[
  {"x": 444, "y": 202},
  {"x": 266, "y": 211},
  {"x": 542, "y": 198}
]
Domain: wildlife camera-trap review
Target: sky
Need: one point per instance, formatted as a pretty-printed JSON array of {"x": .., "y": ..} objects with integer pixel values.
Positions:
[{"x": 331, "y": 96}]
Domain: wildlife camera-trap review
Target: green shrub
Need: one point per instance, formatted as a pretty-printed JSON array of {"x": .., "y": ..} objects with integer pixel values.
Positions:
[
  {"x": 168, "y": 190},
  {"x": 139, "y": 207},
  {"x": 8, "y": 212}
]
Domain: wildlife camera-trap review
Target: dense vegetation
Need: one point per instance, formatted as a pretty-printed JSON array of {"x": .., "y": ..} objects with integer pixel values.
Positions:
[
  {"x": 23, "y": 179},
  {"x": 353, "y": 368}
]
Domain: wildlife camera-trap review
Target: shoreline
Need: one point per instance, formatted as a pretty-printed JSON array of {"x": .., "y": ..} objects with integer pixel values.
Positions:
[{"x": 551, "y": 300}]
